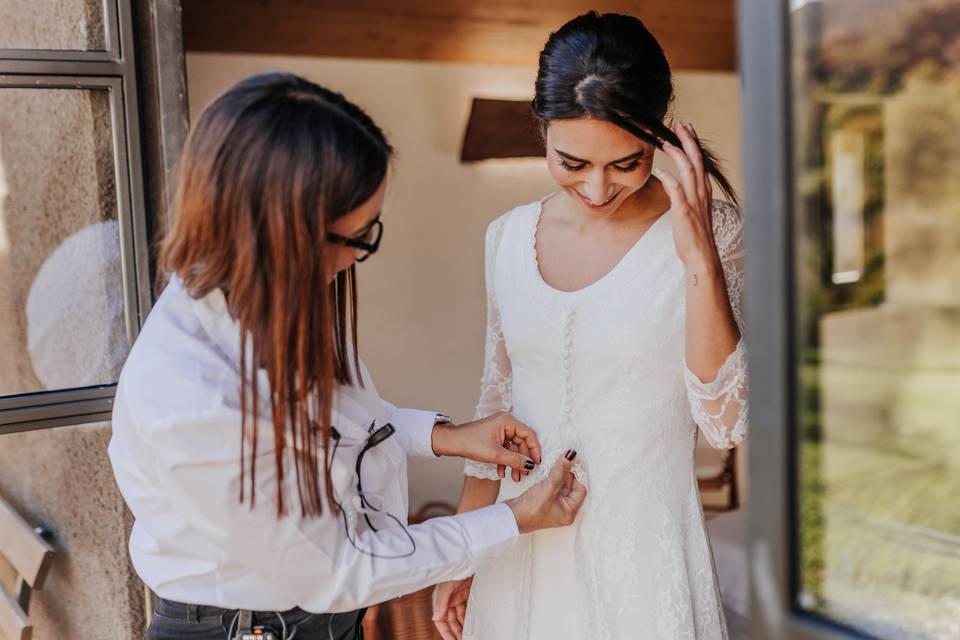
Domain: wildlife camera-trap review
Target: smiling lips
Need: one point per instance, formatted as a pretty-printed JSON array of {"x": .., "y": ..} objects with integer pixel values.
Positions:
[{"x": 602, "y": 205}]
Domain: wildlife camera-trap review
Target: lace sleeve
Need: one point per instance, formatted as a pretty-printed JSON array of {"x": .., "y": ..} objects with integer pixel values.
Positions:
[
  {"x": 496, "y": 385},
  {"x": 720, "y": 407}
]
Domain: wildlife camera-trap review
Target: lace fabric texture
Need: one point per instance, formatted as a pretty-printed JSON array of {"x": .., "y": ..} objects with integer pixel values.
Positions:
[
  {"x": 720, "y": 407},
  {"x": 496, "y": 384},
  {"x": 602, "y": 370}
]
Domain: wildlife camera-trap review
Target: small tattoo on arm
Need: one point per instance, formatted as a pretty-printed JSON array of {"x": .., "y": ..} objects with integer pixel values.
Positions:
[{"x": 695, "y": 282}]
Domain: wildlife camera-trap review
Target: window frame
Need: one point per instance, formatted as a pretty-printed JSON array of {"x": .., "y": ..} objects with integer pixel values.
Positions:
[
  {"x": 113, "y": 70},
  {"x": 112, "y": 20},
  {"x": 764, "y": 42}
]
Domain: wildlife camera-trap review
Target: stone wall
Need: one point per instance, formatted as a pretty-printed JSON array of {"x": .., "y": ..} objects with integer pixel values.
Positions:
[{"x": 61, "y": 479}]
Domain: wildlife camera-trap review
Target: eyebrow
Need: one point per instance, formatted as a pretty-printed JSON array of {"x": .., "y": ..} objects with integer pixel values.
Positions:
[{"x": 632, "y": 156}]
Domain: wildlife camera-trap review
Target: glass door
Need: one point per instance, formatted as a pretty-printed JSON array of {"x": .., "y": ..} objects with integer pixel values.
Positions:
[{"x": 854, "y": 239}]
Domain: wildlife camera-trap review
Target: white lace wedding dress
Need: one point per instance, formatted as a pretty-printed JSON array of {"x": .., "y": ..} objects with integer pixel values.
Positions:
[{"x": 602, "y": 370}]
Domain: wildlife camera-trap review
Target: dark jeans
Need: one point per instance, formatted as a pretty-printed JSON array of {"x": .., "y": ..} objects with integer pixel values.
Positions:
[{"x": 178, "y": 621}]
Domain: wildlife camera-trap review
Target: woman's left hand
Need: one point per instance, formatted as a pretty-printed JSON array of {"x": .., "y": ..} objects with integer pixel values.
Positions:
[
  {"x": 450, "y": 607},
  {"x": 691, "y": 202},
  {"x": 500, "y": 439}
]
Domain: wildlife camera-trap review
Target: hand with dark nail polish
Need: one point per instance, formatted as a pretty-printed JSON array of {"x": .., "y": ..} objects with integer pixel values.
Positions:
[
  {"x": 500, "y": 439},
  {"x": 552, "y": 502}
]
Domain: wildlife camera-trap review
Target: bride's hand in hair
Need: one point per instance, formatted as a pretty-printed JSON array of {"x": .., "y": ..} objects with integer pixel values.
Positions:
[{"x": 691, "y": 203}]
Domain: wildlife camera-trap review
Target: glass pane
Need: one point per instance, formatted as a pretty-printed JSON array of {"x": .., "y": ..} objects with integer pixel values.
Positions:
[
  {"x": 66, "y": 25},
  {"x": 61, "y": 302},
  {"x": 877, "y": 167}
]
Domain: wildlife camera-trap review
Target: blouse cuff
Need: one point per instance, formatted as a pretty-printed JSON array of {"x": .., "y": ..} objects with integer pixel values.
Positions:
[
  {"x": 490, "y": 533},
  {"x": 415, "y": 431}
]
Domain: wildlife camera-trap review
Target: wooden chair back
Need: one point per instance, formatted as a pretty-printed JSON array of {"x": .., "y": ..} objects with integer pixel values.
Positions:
[
  {"x": 27, "y": 550},
  {"x": 725, "y": 479}
]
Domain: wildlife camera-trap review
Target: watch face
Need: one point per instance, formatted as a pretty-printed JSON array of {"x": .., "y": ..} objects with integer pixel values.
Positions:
[{"x": 442, "y": 419}]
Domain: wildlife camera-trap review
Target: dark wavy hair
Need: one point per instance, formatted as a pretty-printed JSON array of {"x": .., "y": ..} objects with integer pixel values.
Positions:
[
  {"x": 610, "y": 67},
  {"x": 266, "y": 168}
]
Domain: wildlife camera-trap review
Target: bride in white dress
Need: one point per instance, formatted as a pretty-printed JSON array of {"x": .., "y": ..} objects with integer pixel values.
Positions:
[{"x": 614, "y": 329}]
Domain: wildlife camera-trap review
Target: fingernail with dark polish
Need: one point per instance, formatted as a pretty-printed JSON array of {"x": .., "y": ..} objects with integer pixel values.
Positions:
[
  {"x": 570, "y": 454},
  {"x": 528, "y": 465}
]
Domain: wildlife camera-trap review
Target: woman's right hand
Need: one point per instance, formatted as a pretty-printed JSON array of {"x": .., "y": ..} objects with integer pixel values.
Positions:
[
  {"x": 500, "y": 439},
  {"x": 450, "y": 607},
  {"x": 552, "y": 502}
]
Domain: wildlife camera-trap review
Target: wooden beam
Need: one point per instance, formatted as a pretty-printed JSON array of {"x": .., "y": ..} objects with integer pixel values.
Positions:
[{"x": 696, "y": 34}]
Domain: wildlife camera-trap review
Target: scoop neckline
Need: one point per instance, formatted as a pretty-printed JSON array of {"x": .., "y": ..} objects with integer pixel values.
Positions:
[{"x": 609, "y": 275}]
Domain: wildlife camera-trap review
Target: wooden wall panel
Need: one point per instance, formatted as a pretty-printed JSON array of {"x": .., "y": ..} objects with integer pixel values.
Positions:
[
  {"x": 696, "y": 34},
  {"x": 501, "y": 129}
]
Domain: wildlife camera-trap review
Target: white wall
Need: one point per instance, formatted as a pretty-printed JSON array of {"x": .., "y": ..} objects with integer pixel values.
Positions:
[{"x": 421, "y": 297}]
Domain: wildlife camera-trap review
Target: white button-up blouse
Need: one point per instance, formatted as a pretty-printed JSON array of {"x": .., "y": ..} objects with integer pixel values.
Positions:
[{"x": 175, "y": 452}]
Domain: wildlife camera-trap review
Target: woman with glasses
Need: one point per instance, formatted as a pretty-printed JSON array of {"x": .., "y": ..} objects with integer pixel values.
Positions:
[
  {"x": 613, "y": 323},
  {"x": 266, "y": 477}
]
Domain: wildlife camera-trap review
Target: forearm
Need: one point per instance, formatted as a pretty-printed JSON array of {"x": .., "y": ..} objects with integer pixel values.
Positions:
[
  {"x": 711, "y": 330},
  {"x": 478, "y": 493},
  {"x": 386, "y": 564}
]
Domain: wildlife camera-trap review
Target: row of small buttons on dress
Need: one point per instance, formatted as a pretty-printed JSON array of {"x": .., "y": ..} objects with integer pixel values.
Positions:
[{"x": 569, "y": 381}]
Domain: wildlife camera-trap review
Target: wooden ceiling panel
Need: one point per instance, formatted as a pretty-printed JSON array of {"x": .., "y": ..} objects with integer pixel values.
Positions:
[{"x": 696, "y": 34}]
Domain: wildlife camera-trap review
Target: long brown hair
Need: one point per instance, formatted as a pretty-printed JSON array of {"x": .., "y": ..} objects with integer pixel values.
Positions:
[{"x": 267, "y": 167}]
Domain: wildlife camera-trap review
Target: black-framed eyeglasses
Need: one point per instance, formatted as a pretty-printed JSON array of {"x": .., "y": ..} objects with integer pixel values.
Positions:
[{"x": 368, "y": 244}]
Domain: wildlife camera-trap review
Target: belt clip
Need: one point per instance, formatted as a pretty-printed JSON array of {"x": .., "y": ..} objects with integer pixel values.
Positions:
[
  {"x": 246, "y": 630},
  {"x": 258, "y": 633}
]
